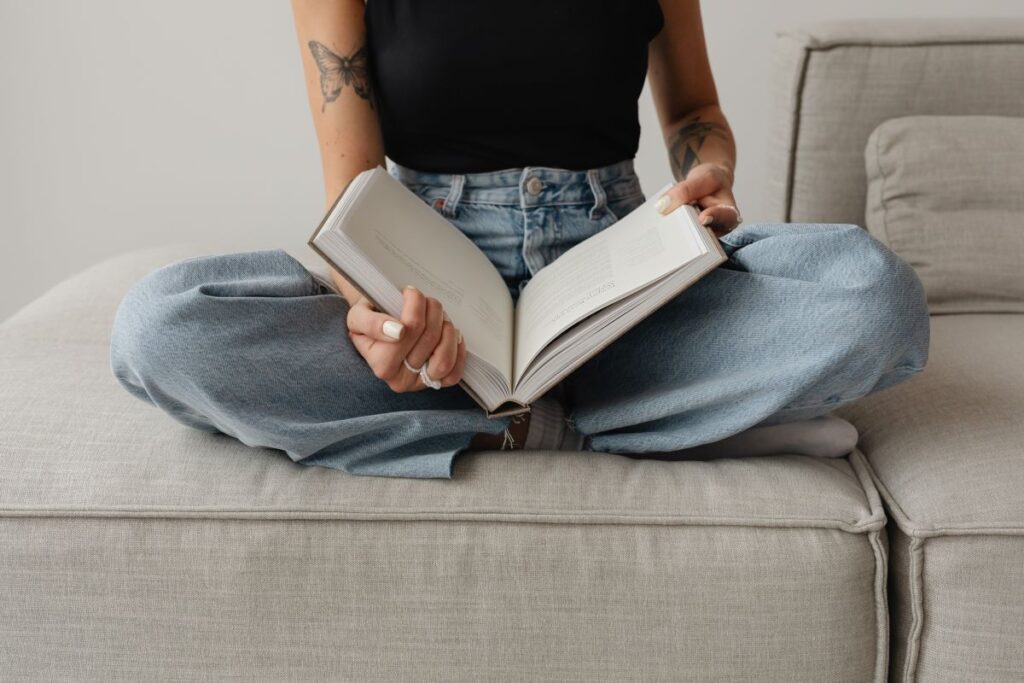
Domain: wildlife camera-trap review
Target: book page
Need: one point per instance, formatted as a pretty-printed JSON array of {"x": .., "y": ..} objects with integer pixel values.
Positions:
[
  {"x": 584, "y": 339},
  {"x": 625, "y": 257},
  {"x": 411, "y": 244}
]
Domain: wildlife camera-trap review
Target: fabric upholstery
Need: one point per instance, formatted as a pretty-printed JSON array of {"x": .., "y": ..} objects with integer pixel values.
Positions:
[
  {"x": 837, "y": 81},
  {"x": 946, "y": 450},
  {"x": 132, "y": 546},
  {"x": 946, "y": 193}
]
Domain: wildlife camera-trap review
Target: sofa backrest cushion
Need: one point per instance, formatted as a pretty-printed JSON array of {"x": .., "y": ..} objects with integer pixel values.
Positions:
[
  {"x": 946, "y": 193},
  {"x": 836, "y": 81}
]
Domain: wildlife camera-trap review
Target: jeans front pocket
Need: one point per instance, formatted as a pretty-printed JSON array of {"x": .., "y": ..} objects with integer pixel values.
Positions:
[{"x": 432, "y": 195}]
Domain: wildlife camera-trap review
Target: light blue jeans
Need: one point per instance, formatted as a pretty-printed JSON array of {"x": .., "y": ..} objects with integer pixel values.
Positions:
[{"x": 801, "y": 319}]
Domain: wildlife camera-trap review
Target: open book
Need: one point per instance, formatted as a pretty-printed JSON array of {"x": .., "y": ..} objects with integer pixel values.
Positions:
[{"x": 381, "y": 237}]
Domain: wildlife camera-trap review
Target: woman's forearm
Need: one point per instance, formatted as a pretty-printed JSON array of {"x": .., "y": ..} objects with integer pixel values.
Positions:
[
  {"x": 332, "y": 39},
  {"x": 695, "y": 129},
  {"x": 702, "y": 136}
]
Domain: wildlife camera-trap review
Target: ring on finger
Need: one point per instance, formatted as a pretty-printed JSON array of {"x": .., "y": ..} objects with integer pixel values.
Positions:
[
  {"x": 425, "y": 377},
  {"x": 422, "y": 372}
]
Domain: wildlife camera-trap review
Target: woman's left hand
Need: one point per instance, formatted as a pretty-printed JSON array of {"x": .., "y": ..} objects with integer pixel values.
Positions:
[{"x": 708, "y": 187}]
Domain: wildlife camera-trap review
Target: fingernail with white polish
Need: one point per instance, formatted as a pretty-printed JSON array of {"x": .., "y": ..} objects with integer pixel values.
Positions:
[
  {"x": 409, "y": 287},
  {"x": 460, "y": 337},
  {"x": 708, "y": 220},
  {"x": 662, "y": 204},
  {"x": 393, "y": 329}
]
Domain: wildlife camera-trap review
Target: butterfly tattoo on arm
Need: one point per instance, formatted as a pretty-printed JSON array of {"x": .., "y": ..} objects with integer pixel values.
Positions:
[{"x": 336, "y": 72}]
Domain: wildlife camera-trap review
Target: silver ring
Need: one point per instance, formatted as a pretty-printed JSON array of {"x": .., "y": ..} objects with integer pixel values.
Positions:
[
  {"x": 422, "y": 372},
  {"x": 425, "y": 378}
]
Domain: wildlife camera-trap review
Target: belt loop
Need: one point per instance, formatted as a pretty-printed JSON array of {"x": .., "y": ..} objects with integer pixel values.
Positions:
[
  {"x": 600, "y": 199},
  {"x": 451, "y": 202}
]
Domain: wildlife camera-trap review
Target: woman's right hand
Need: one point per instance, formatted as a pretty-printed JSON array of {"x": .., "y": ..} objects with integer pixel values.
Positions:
[{"x": 424, "y": 334}]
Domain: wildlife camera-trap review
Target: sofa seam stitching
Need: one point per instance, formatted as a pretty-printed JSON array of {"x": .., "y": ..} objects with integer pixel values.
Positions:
[
  {"x": 864, "y": 527},
  {"x": 876, "y": 508},
  {"x": 881, "y": 194},
  {"x": 882, "y": 606},
  {"x": 795, "y": 134},
  {"x": 914, "y": 530},
  {"x": 903, "y": 521},
  {"x": 859, "y": 465},
  {"x": 923, "y": 43},
  {"x": 917, "y": 609}
]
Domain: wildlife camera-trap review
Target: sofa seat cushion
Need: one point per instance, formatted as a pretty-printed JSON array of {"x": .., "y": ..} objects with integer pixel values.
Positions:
[
  {"x": 948, "y": 445},
  {"x": 85, "y": 444},
  {"x": 946, "y": 450},
  {"x": 123, "y": 531}
]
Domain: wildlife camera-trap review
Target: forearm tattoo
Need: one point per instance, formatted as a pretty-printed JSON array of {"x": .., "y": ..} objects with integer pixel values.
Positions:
[
  {"x": 684, "y": 149},
  {"x": 336, "y": 72}
]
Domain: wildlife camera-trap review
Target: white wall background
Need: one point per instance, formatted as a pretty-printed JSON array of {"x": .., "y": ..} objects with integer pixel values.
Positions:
[{"x": 126, "y": 124}]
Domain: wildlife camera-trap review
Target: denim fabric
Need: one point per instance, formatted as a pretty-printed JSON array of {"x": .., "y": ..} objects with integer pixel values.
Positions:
[
  {"x": 524, "y": 219},
  {"x": 801, "y": 319}
]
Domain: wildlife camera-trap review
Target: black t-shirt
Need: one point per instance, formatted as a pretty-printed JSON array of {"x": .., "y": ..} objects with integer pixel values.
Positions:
[{"x": 481, "y": 85}]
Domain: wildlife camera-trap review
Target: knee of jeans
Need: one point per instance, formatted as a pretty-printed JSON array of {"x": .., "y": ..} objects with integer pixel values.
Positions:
[
  {"x": 148, "y": 325},
  {"x": 893, "y": 310}
]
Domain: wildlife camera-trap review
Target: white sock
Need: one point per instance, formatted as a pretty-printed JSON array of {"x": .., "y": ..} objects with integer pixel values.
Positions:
[{"x": 827, "y": 436}]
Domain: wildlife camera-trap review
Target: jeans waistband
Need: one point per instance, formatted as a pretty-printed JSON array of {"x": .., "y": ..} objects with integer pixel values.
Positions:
[{"x": 527, "y": 187}]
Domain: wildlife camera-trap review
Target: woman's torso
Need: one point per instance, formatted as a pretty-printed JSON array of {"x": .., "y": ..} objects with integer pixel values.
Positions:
[{"x": 469, "y": 86}]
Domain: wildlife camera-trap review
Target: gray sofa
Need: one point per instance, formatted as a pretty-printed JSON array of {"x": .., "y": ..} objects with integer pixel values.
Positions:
[
  {"x": 134, "y": 548},
  {"x": 881, "y": 127}
]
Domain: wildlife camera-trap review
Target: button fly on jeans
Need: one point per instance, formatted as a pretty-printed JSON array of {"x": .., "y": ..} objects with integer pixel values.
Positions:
[{"x": 534, "y": 185}]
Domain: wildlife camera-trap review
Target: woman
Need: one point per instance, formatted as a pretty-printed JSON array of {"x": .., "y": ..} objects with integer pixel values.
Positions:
[{"x": 518, "y": 122}]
